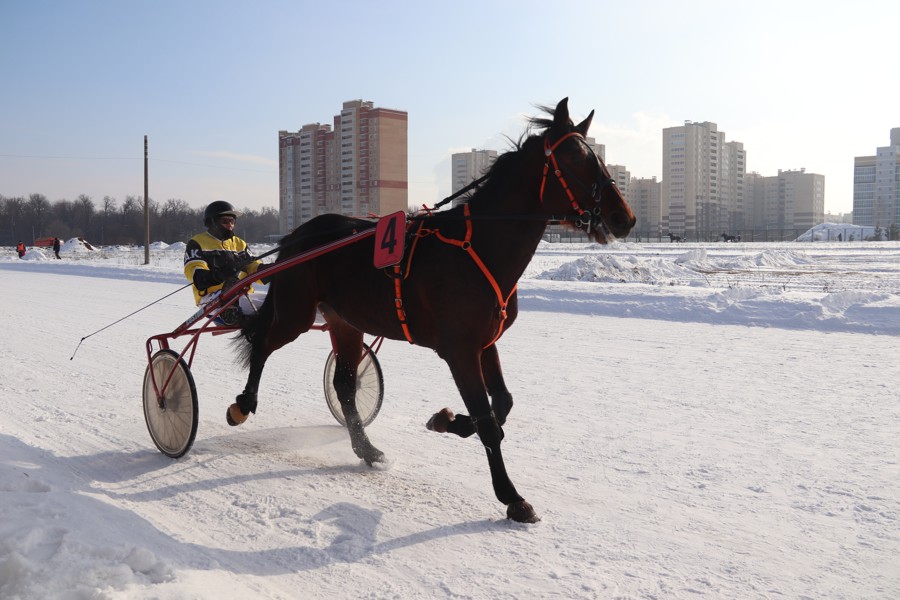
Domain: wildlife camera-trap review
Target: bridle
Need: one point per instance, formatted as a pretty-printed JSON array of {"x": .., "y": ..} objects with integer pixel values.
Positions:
[{"x": 587, "y": 219}]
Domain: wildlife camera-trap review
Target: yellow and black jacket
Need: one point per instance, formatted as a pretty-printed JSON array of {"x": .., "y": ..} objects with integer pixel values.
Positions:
[{"x": 205, "y": 251}]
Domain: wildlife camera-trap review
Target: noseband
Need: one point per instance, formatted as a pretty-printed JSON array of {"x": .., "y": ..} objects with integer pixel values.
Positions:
[{"x": 587, "y": 219}]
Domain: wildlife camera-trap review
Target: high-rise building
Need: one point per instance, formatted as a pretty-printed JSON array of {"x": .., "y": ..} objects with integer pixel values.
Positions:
[
  {"x": 643, "y": 196},
  {"x": 599, "y": 149},
  {"x": 467, "y": 167},
  {"x": 876, "y": 186},
  {"x": 357, "y": 167},
  {"x": 755, "y": 200},
  {"x": 794, "y": 200},
  {"x": 780, "y": 206},
  {"x": 702, "y": 189},
  {"x": 622, "y": 176}
]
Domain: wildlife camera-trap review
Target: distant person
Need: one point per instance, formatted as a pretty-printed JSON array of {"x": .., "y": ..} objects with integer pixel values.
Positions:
[
  {"x": 20, "y": 249},
  {"x": 56, "y": 247},
  {"x": 840, "y": 237},
  {"x": 217, "y": 257}
]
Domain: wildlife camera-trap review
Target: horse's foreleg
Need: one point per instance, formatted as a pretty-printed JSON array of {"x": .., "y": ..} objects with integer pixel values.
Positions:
[
  {"x": 467, "y": 374},
  {"x": 501, "y": 400}
]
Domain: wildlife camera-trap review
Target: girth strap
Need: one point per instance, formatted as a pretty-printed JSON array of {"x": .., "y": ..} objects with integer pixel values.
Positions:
[
  {"x": 465, "y": 244},
  {"x": 397, "y": 274}
]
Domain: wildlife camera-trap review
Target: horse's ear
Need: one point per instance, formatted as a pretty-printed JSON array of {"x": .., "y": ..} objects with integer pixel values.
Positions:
[
  {"x": 561, "y": 114},
  {"x": 585, "y": 125}
]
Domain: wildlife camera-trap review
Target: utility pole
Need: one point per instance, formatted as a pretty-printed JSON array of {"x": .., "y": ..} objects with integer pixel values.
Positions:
[{"x": 146, "y": 210}]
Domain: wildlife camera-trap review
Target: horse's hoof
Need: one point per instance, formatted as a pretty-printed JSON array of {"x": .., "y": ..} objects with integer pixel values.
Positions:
[
  {"x": 234, "y": 416},
  {"x": 440, "y": 421},
  {"x": 522, "y": 512},
  {"x": 374, "y": 457}
]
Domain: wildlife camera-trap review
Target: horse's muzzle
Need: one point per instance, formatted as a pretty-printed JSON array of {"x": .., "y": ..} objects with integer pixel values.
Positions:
[{"x": 620, "y": 223}]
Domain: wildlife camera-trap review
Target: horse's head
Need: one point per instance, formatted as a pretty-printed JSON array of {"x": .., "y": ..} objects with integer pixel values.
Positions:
[{"x": 577, "y": 184}]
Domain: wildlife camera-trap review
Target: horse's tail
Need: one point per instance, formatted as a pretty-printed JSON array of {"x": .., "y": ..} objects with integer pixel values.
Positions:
[{"x": 253, "y": 326}]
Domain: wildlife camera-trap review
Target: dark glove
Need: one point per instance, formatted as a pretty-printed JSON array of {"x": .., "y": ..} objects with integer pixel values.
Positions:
[{"x": 207, "y": 278}]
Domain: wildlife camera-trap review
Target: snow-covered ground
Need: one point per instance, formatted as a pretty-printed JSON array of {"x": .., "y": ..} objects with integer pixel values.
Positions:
[{"x": 718, "y": 421}]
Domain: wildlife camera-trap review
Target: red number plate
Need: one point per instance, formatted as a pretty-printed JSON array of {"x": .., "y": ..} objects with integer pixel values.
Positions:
[{"x": 390, "y": 237}]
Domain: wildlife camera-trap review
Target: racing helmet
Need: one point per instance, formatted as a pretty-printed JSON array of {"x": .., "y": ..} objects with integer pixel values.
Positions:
[{"x": 217, "y": 209}]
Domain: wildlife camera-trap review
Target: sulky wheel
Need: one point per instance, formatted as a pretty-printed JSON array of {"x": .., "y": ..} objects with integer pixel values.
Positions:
[
  {"x": 171, "y": 421},
  {"x": 369, "y": 388}
]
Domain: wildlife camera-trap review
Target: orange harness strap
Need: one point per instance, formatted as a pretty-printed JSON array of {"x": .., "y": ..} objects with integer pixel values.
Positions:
[
  {"x": 551, "y": 157},
  {"x": 465, "y": 244},
  {"x": 398, "y": 302}
]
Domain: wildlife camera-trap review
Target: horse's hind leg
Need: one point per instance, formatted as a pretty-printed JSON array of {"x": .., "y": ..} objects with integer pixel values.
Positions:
[
  {"x": 265, "y": 334},
  {"x": 347, "y": 343}
]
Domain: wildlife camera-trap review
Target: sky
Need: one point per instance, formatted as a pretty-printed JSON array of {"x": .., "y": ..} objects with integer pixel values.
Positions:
[
  {"x": 666, "y": 455},
  {"x": 800, "y": 84}
]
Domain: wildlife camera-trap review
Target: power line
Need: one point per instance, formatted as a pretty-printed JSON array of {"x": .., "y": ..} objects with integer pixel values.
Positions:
[
  {"x": 70, "y": 157},
  {"x": 212, "y": 166},
  {"x": 162, "y": 160}
]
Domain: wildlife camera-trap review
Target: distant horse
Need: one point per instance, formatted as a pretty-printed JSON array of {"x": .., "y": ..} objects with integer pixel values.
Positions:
[
  {"x": 730, "y": 238},
  {"x": 454, "y": 292},
  {"x": 675, "y": 238}
]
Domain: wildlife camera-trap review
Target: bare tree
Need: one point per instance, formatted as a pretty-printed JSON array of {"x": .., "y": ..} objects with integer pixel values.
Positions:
[
  {"x": 39, "y": 211},
  {"x": 107, "y": 211},
  {"x": 83, "y": 212},
  {"x": 11, "y": 220},
  {"x": 112, "y": 223}
]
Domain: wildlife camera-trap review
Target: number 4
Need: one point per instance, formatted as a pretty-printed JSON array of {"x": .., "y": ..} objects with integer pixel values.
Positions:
[
  {"x": 389, "y": 240},
  {"x": 389, "y": 236}
]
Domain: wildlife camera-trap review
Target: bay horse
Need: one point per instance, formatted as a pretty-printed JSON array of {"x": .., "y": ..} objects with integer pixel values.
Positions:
[{"x": 455, "y": 294}]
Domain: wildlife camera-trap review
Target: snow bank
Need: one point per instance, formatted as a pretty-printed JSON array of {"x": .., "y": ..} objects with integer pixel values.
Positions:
[
  {"x": 35, "y": 254},
  {"x": 76, "y": 245}
]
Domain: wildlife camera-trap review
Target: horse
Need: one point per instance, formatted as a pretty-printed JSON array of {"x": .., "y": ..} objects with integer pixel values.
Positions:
[
  {"x": 454, "y": 292},
  {"x": 675, "y": 238},
  {"x": 730, "y": 238}
]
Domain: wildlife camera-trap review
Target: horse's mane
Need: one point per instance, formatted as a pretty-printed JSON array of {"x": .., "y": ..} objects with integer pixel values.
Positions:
[
  {"x": 543, "y": 123},
  {"x": 506, "y": 167}
]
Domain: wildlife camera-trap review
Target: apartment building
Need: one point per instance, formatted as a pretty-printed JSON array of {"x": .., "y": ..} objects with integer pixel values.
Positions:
[
  {"x": 794, "y": 200},
  {"x": 876, "y": 185},
  {"x": 702, "y": 188},
  {"x": 467, "y": 167},
  {"x": 783, "y": 204},
  {"x": 644, "y": 198},
  {"x": 755, "y": 200},
  {"x": 622, "y": 176},
  {"x": 599, "y": 149},
  {"x": 356, "y": 166}
]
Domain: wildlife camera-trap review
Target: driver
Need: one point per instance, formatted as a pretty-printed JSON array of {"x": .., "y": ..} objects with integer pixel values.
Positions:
[{"x": 217, "y": 257}]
